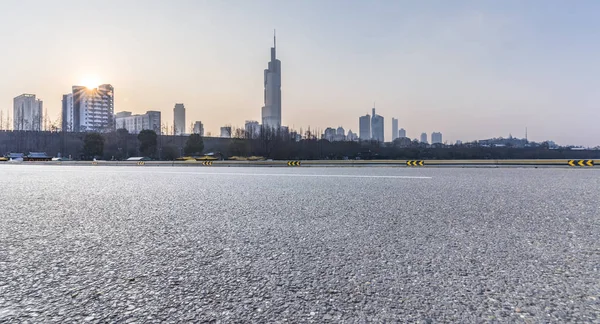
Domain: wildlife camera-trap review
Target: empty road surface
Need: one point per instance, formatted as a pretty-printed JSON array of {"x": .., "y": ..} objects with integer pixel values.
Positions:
[{"x": 161, "y": 244}]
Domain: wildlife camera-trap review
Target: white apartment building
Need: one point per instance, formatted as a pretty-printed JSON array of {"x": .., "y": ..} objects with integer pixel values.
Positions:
[
  {"x": 89, "y": 110},
  {"x": 136, "y": 123}
]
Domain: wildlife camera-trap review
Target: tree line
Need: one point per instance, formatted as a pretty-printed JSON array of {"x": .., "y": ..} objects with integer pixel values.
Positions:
[
  {"x": 282, "y": 145},
  {"x": 117, "y": 146}
]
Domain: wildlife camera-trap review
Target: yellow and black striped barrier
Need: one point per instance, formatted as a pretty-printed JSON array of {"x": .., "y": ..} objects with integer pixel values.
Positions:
[
  {"x": 141, "y": 163},
  {"x": 293, "y": 163},
  {"x": 581, "y": 163},
  {"x": 415, "y": 163},
  {"x": 207, "y": 163}
]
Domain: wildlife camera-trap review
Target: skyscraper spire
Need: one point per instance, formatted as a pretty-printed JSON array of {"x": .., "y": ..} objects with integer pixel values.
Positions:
[{"x": 271, "y": 111}]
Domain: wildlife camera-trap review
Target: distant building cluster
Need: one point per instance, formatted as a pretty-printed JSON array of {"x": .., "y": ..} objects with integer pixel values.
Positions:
[
  {"x": 93, "y": 109},
  {"x": 86, "y": 110},
  {"x": 510, "y": 142},
  {"x": 338, "y": 135},
  {"x": 371, "y": 128}
]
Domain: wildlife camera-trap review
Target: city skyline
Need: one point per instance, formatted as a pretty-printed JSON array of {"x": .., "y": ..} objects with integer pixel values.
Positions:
[{"x": 470, "y": 70}]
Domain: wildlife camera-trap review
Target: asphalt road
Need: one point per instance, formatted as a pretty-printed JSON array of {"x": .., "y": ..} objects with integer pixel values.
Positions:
[{"x": 124, "y": 244}]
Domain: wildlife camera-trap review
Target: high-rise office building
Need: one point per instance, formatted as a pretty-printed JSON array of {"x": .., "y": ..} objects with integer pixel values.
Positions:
[
  {"x": 424, "y": 138},
  {"x": 134, "y": 124},
  {"x": 377, "y": 133},
  {"x": 27, "y": 113},
  {"x": 394, "y": 128},
  {"x": 436, "y": 138},
  {"x": 66, "y": 112},
  {"x": 252, "y": 129},
  {"x": 271, "y": 111},
  {"x": 364, "y": 129},
  {"x": 402, "y": 133},
  {"x": 179, "y": 119},
  {"x": 89, "y": 110},
  {"x": 199, "y": 128}
]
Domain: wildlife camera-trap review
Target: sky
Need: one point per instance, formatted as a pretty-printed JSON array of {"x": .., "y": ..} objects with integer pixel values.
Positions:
[{"x": 469, "y": 69}]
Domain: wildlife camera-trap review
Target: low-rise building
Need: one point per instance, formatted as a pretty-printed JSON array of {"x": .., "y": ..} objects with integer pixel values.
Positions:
[
  {"x": 226, "y": 131},
  {"x": 252, "y": 129},
  {"x": 136, "y": 123}
]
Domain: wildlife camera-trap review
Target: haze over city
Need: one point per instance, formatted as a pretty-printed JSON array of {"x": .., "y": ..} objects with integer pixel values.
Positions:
[{"x": 469, "y": 69}]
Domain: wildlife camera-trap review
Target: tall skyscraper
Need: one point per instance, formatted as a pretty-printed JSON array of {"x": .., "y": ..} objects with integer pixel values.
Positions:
[
  {"x": 436, "y": 138},
  {"x": 179, "y": 119},
  {"x": 271, "y": 111},
  {"x": 402, "y": 133},
  {"x": 364, "y": 129},
  {"x": 377, "y": 127},
  {"x": 199, "y": 128},
  {"x": 136, "y": 123},
  {"x": 89, "y": 110},
  {"x": 424, "y": 138},
  {"x": 394, "y": 128},
  {"x": 27, "y": 113}
]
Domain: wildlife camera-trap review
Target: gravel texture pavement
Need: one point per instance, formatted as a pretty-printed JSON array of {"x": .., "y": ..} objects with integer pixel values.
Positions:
[{"x": 318, "y": 245}]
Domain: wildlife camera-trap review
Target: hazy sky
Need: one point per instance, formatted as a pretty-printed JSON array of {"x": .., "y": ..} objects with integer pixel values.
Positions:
[{"x": 470, "y": 69}]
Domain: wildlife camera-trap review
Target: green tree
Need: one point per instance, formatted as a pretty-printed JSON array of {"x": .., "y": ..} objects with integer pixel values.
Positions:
[
  {"x": 93, "y": 145},
  {"x": 169, "y": 153},
  {"x": 122, "y": 147},
  {"x": 239, "y": 147},
  {"x": 194, "y": 145},
  {"x": 148, "y": 142}
]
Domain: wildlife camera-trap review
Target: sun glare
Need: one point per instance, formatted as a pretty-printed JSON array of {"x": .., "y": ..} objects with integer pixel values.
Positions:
[{"x": 90, "y": 82}]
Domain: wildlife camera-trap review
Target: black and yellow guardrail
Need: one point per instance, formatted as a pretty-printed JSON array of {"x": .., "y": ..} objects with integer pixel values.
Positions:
[
  {"x": 415, "y": 163},
  {"x": 581, "y": 163},
  {"x": 567, "y": 163}
]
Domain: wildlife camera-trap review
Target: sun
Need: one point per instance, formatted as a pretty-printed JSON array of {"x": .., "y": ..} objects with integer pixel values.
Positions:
[{"x": 90, "y": 82}]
